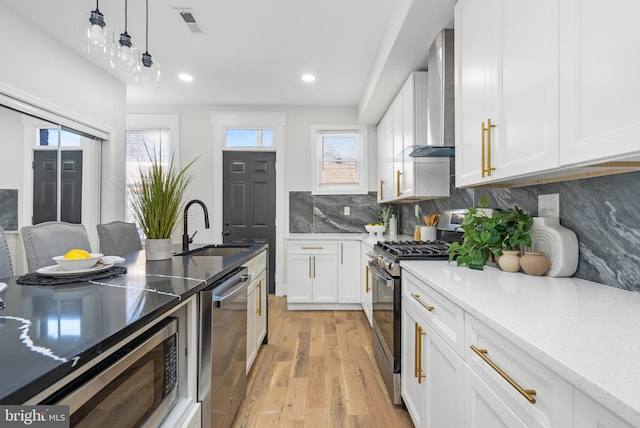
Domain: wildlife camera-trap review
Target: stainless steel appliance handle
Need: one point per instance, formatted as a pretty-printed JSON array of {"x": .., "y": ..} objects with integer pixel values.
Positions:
[
  {"x": 80, "y": 396},
  {"x": 380, "y": 274},
  {"x": 229, "y": 287}
]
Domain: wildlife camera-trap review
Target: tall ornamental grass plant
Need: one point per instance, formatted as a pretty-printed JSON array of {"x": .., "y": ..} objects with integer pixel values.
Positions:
[{"x": 157, "y": 201}]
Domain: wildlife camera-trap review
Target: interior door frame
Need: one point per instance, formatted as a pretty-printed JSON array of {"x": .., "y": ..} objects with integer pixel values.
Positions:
[{"x": 248, "y": 119}]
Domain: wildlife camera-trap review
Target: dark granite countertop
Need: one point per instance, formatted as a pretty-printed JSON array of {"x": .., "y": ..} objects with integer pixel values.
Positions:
[{"x": 47, "y": 332}]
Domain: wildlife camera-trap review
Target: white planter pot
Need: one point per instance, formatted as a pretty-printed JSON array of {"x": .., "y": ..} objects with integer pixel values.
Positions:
[{"x": 158, "y": 249}]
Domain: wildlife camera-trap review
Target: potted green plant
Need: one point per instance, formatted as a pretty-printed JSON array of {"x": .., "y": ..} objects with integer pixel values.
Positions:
[
  {"x": 489, "y": 232},
  {"x": 385, "y": 215},
  {"x": 513, "y": 225},
  {"x": 157, "y": 203}
]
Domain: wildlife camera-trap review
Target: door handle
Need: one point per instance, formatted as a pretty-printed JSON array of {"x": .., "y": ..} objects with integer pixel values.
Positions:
[{"x": 226, "y": 233}]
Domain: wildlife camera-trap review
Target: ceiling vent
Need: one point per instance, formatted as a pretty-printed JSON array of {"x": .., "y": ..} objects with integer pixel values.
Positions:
[{"x": 190, "y": 20}]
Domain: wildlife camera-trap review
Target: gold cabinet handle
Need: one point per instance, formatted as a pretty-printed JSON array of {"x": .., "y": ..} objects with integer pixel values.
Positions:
[
  {"x": 419, "y": 300},
  {"x": 381, "y": 190},
  {"x": 526, "y": 393},
  {"x": 415, "y": 350},
  {"x": 342, "y": 253},
  {"x": 366, "y": 279},
  {"x": 314, "y": 266},
  {"x": 419, "y": 373},
  {"x": 310, "y": 267},
  {"x": 259, "y": 309},
  {"x": 398, "y": 174},
  {"x": 313, "y": 248},
  {"x": 488, "y": 128}
]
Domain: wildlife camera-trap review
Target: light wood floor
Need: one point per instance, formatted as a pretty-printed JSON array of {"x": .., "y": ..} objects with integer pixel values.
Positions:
[{"x": 318, "y": 370}]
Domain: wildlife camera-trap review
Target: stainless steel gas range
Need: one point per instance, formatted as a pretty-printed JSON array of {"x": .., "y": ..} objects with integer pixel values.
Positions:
[{"x": 384, "y": 264}]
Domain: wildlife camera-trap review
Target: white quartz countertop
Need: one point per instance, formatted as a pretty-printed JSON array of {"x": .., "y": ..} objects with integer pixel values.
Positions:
[{"x": 587, "y": 333}]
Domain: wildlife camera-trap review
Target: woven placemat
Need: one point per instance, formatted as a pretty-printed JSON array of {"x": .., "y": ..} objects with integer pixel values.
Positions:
[{"x": 34, "y": 278}]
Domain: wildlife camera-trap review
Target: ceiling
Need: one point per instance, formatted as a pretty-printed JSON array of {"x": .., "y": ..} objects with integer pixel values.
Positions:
[{"x": 254, "y": 52}]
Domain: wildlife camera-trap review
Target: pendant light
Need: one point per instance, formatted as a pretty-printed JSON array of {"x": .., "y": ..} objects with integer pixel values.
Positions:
[
  {"x": 149, "y": 71},
  {"x": 97, "y": 33},
  {"x": 95, "y": 38},
  {"x": 126, "y": 55}
]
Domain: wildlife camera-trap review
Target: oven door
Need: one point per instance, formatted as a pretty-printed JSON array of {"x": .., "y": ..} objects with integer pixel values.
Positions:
[
  {"x": 137, "y": 389},
  {"x": 386, "y": 313}
]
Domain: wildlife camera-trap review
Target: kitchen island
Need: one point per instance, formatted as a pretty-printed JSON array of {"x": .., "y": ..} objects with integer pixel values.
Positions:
[{"x": 48, "y": 333}]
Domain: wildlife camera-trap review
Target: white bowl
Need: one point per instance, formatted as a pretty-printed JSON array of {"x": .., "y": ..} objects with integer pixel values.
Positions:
[
  {"x": 375, "y": 229},
  {"x": 76, "y": 264}
]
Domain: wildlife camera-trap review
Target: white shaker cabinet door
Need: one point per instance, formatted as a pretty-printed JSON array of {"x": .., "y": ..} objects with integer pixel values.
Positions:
[
  {"x": 476, "y": 42},
  {"x": 507, "y": 73},
  {"x": 600, "y": 103},
  {"x": 299, "y": 278}
]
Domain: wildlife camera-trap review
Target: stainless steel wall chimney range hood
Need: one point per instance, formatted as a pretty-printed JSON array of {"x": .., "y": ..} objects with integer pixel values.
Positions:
[{"x": 440, "y": 99}]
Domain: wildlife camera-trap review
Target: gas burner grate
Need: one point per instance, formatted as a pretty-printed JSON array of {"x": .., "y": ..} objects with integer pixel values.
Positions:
[{"x": 417, "y": 250}]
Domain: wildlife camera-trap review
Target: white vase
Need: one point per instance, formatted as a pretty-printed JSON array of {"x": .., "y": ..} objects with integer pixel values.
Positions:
[{"x": 158, "y": 249}]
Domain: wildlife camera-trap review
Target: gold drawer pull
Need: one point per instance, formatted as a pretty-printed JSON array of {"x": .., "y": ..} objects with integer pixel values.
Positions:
[
  {"x": 366, "y": 282},
  {"x": 398, "y": 174},
  {"x": 419, "y": 373},
  {"x": 526, "y": 393},
  {"x": 259, "y": 309},
  {"x": 427, "y": 307},
  {"x": 313, "y": 248}
]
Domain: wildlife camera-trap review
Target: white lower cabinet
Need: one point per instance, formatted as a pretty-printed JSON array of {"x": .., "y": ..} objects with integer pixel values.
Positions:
[
  {"x": 432, "y": 377},
  {"x": 349, "y": 272},
  {"x": 366, "y": 293},
  {"x": 312, "y": 272},
  {"x": 536, "y": 395},
  {"x": 590, "y": 414},
  {"x": 256, "y": 317},
  {"x": 256, "y": 306},
  {"x": 323, "y": 274}
]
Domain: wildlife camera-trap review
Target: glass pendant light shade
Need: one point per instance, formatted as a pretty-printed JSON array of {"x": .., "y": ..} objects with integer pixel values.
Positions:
[
  {"x": 149, "y": 75},
  {"x": 126, "y": 61},
  {"x": 95, "y": 40},
  {"x": 97, "y": 34}
]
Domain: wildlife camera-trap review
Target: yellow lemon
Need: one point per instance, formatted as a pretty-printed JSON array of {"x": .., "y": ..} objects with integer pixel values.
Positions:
[{"x": 77, "y": 254}]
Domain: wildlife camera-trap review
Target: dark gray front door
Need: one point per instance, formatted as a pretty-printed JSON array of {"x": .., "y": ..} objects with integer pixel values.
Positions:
[
  {"x": 249, "y": 201},
  {"x": 45, "y": 186}
]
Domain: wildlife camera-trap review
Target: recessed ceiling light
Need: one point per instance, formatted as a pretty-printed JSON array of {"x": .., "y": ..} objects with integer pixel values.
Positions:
[
  {"x": 185, "y": 77},
  {"x": 308, "y": 77}
]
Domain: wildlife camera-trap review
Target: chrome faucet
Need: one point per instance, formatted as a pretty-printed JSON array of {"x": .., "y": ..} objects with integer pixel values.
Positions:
[{"x": 186, "y": 240}]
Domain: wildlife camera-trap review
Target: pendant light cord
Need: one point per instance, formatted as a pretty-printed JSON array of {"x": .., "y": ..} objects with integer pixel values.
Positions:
[
  {"x": 147, "y": 29},
  {"x": 125, "y": 15}
]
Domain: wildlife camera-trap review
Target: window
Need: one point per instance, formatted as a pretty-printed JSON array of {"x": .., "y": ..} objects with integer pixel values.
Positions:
[
  {"x": 142, "y": 145},
  {"x": 51, "y": 137},
  {"x": 248, "y": 138},
  {"x": 339, "y": 161}
]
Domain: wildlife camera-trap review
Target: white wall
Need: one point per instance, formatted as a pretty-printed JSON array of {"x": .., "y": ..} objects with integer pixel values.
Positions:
[{"x": 40, "y": 71}]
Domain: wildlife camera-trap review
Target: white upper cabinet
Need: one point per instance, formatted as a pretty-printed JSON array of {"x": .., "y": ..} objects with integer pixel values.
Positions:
[
  {"x": 600, "y": 101},
  {"x": 403, "y": 127},
  {"x": 506, "y": 89},
  {"x": 386, "y": 179}
]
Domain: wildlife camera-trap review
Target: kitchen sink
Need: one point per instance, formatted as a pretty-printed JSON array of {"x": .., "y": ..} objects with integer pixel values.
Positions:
[{"x": 221, "y": 250}]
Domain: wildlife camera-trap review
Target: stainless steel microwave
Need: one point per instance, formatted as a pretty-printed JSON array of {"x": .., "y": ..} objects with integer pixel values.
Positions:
[{"x": 136, "y": 388}]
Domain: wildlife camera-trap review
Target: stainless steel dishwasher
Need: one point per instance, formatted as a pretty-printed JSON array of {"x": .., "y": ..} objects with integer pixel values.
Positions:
[{"x": 222, "y": 381}]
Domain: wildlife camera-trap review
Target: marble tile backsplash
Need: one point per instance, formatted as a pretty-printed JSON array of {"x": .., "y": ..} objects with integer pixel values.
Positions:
[
  {"x": 604, "y": 212},
  {"x": 325, "y": 213}
]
